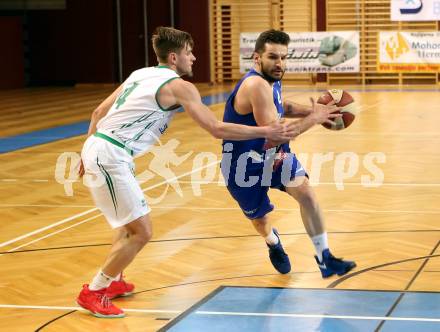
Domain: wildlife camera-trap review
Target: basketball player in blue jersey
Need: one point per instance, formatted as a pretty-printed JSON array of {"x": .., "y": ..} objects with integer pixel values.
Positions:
[
  {"x": 251, "y": 167},
  {"x": 126, "y": 124}
]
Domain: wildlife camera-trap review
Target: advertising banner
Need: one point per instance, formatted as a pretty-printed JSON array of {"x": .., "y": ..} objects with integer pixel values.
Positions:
[
  {"x": 415, "y": 10},
  {"x": 400, "y": 51},
  {"x": 311, "y": 52}
]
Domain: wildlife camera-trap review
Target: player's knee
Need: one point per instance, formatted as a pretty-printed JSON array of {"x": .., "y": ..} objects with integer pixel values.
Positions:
[
  {"x": 145, "y": 235},
  {"x": 140, "y": 231},
  {"x": 142, "y": 238},
  {"x": 307, "y": 199}
]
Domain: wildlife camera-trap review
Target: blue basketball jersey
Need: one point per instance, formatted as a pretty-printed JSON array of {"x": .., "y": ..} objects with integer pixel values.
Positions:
[
  {"x": 248, "y": 169},
  {"x": 254, "y": 148}
]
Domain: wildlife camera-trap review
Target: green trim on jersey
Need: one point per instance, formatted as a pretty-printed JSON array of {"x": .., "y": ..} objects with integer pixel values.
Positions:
[
  {"x": 157, "y": 93},
  {"x": 113, "y": 141},
  {"x": 164, "y": 66},
  {"x": 143, "y": 131},
  {"x": 138, "y": 120}
]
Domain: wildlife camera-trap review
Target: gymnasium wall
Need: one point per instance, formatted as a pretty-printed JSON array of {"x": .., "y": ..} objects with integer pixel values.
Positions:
[
  {"x": 231, "y": 17},
  {"x": 11, "y": 55},
  {"x": 75, "y": 45},
  {"x": 79, "y": 44},
  {"x": 368, "y": 18},
  {"x": 194, "y": 18}
]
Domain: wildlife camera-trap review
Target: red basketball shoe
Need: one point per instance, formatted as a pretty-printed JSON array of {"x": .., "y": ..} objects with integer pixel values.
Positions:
[
  {"x": 119, "y": 288},
  {"x": 98, "y": 303}
]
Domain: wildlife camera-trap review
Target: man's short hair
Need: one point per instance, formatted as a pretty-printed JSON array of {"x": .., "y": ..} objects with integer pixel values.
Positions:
[
  {"x": 168, "y": 40},
  {"x": 272, "y": 37}
]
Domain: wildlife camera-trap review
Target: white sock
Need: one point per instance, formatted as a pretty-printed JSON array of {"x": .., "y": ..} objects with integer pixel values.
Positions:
[
  {"x": 100, "y": 281},
  {"x": 272, "y": 239},
  {"x": 320, "y": 242}
]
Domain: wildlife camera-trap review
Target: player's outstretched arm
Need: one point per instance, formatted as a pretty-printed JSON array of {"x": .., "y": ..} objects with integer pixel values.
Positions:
[
  {"x": 187, "y": 95},
  {"x": 319, "y": 114},
  {"x": 295, "y": 110},
  {"x": 260, "y": 95}
]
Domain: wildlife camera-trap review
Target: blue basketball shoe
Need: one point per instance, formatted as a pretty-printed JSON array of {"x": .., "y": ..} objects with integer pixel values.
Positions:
[
  {"x": 331, "y": 265},
  {"x": 278, "y": 257}
]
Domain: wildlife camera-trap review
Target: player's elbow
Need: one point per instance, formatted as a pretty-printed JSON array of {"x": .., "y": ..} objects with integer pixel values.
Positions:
[
  {"x": 216, "y": 130},
  {"x": 98, "y": 113}
]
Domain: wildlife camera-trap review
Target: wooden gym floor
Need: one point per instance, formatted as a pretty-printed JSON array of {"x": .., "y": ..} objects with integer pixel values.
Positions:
[{"x": 52, "y": 243}]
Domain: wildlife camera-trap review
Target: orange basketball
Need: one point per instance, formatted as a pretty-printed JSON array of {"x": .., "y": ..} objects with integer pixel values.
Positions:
[{"x": 342, "y": 99}]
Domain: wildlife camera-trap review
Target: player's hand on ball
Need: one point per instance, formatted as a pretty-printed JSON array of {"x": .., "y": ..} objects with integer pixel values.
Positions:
[
  {"x": 347, "y": 108},
  {"x": 330, "y": 106},
  {"x": 325, "y": 113}
]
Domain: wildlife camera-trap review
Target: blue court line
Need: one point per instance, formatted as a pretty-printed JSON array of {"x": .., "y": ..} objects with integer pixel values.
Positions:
[
  {"x": 216, "y": 99},
  {"x": 38, "y": 137},
  {"x": 43, "y": 136},
  {"x": 285, "y": 309},
  {"x": 426, "y": 305}
]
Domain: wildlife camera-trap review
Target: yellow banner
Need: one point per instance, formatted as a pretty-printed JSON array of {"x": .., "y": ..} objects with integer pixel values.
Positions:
[
  {"x": 400, "y": 51},
  {"x": 408, "y": 67}
]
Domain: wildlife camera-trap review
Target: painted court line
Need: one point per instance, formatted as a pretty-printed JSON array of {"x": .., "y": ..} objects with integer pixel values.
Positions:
[
  {"x": 220, "y": 182},
  {"x": 377, "y": 133},
  {"x": 390, "y": 184},
  {"x": 44, "y": 307},
  {"x": 230, "y": 208},
  {"x": 46, "y": 205},
  {"x": 37, "y": 231},
  {"x": 63, "y": 221},
  {"x": 226, "y": 313},
  {"x": 53, "y": 233},
  {"x": 296, "y": 209},
  {"x": 364, "y": 107},
  {"x": 293, "y": 88},
  {"x": 221, "y": 313}
]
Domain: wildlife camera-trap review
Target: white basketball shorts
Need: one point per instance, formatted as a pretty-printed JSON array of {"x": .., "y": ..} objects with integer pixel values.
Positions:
[{"x": 109, "y": 172}]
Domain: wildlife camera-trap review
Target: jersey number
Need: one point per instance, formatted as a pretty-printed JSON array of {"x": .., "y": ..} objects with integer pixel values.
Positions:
[{"x": 123, "y": 96}]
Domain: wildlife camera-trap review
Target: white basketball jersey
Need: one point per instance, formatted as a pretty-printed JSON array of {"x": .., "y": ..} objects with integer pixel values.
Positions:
[{"x": 136, "y": 119}]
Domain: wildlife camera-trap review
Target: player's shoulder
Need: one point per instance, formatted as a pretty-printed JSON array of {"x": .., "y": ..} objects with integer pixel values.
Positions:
[
  {"x": 180, "y": 84},
  {"x": 181, "y": 88},
  {"x": 254, "y": 87},
  {"x": 149, "y": 72},
  {"x": 136, "y": 76},
  {"x": 255, "y": 82},
  {"x": 140, "y": 72}
]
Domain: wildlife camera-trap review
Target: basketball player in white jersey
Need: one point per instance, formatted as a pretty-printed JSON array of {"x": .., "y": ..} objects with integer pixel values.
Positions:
[{"x": 127, "y": 124}]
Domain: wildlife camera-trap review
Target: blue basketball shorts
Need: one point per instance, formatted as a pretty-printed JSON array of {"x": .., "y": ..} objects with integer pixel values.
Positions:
[{"x": 251, "y": 189}]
